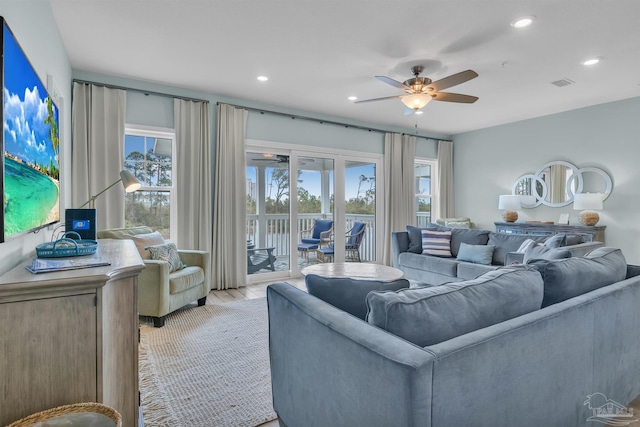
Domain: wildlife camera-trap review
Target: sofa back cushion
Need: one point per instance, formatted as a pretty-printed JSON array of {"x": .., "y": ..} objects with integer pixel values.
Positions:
[
  {"x": 349, "y": 294},
  {"x": 506, "y": 243},
  {"x": 427, "y": 316},
  {"x": 567, "y": 278}
]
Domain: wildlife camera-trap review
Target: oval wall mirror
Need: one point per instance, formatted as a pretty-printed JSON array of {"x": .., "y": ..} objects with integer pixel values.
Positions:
[{"x": 556, "y": 183}]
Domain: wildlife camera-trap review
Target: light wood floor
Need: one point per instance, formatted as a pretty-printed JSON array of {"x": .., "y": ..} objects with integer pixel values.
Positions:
[{"x": 259, "y": 291}]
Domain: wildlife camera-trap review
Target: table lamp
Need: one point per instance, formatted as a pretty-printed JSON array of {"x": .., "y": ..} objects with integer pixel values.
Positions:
[
  {"x": 588, "y": 203},
  {"x": 509, "y": 203}
]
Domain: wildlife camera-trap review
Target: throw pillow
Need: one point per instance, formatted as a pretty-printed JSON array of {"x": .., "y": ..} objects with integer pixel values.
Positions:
[
  {"x": 506, "y": 243},
  {"x": 147, "y": 239},
  {"x": 430, "y": 315},
  {"x": 415, "y": 236},
  {"x": 556, "y": 240},
  {"x": 436, "y": 243},
  {"x": 477, "y": 254},
  {"x": 538, "y": 251},
  {"x": 167, "y": 252},
  {"x": 470, "y": 236},
  {"x": 349, "y": 294},
  {"x": 525, "y": 245}
]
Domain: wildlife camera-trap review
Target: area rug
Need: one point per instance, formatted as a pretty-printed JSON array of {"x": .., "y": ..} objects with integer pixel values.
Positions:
[{"x": 208, "y": 366}]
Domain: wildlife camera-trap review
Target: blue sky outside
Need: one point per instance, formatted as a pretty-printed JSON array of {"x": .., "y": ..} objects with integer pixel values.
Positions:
[{"x": 26, "y": 135}]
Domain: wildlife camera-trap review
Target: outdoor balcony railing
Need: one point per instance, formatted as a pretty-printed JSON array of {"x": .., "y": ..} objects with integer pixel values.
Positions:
[{"x": 277, "y": 232}]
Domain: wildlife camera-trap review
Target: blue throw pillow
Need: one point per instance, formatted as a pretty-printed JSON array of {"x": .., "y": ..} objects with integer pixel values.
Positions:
[
  {"x": 477, "y": 254},
  {"x": 556, "y": 240}
]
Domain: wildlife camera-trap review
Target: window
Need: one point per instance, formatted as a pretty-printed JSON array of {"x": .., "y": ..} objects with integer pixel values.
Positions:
[
  {"x": 149, "y": 154},
  {"x": 424, "y": 179}
]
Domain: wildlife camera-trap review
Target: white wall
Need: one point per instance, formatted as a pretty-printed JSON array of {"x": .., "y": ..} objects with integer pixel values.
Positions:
[
  {"x": 37, "y": 33},
  {"x": 488, "y": 161}
]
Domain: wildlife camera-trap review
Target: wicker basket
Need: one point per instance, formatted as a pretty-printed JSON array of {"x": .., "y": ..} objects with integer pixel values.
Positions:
[
  {"x": 97, "y": 408},
  {"x": 65, "y": 247}
]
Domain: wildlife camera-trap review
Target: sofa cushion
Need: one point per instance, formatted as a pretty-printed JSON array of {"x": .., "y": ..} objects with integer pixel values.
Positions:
[
  {"x": 123, "y": 233},
  {"x": 349, "y": 294},
  {"x": 506, "y": 243},
  {"x": 166, "y": 252},
  {"x": 469, "y": 270},
  {"x": 436, "y": 243},
  {"x": 427, "y": 316},
  {"x": 573, "y": 239},
  {"x": 144, "y": 240},
  {"x": 542, "y": 251},
  {"x": 444, "y": 266},
  {"x": 567, "y": 278},
  {"x": 477, "y": 254},
  {"x": 472, "y": 236},
  {"x": 185, "y": 278}
]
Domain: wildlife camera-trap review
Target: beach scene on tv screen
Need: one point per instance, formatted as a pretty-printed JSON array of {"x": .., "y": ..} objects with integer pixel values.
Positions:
[{"x": 31, "y": 146}]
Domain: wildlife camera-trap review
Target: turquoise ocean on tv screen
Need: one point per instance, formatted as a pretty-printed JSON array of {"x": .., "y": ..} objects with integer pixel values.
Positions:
[{"x": 30, "y": 198}]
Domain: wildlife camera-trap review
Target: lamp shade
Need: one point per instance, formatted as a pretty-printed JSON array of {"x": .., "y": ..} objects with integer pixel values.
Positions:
[
  {"x": 129, "y": 181},
  {"x": 416, "y": 101},
  {"x": 588, "y": 202},
  {"x": 509, "y": 202}
]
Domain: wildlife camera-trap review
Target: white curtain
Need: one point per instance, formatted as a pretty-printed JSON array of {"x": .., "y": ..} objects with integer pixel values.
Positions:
[
  {"x": 399, "y": 187},
  {"x": 229, "y": 209},
  {"x": 194, "y": 164},
  {"x": 97, "y": 150},
  {"x": 445, "y": 180}
]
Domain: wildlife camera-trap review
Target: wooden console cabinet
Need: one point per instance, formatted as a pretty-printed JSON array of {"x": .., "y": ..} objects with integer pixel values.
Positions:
[
  {"x": 591, "y": 234},
  {"x": 71, "y": 336}
]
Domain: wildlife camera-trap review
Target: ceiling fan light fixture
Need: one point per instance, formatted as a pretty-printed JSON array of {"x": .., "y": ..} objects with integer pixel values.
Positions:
[
  {"x": 353, "y": 98},
  {"x": 523, "y": 22},
  {"x": 262, "y": 78},
  {"x": 416, "y": 101},
  {"x": 591, "y": 61}
]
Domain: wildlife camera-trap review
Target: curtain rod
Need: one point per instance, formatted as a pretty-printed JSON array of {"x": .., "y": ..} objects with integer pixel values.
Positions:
[
  {"x": 146, "y": 92},
  {"x": 321, "y": 121}
]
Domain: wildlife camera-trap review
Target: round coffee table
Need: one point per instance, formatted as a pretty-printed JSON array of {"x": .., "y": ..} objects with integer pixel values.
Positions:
[{"x": 354, "y": 270}]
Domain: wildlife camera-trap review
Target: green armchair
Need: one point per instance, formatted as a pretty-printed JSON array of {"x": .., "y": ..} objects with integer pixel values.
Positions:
[{"x": 160, "y": 291}]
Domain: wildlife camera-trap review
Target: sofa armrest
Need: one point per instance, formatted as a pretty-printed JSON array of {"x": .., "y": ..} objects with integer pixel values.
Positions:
[
  {"x": 399, "y": 244},
  {"x": 582, "y": 249},
  {"x": 514, "y": 258},
  {"x": 200, "y": 259},
  {"x": 319, "y": 352}
]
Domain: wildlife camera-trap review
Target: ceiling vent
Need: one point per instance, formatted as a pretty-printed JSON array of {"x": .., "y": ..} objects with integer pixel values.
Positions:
[{"x": 563, "y": 82}]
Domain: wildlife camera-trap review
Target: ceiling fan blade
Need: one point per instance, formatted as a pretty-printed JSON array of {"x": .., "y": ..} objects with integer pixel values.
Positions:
[
  {"x": 452, "y": 80},
  {"x": 393, "y": 83},
  {"x": 377, "y": 99},
  {"x": 454, "y": 97}
]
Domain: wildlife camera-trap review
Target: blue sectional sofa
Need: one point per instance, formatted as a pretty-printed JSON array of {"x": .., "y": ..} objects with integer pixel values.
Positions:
[
  {"x": 435, "y": 270},
  {"x": 473, "y": 353}
]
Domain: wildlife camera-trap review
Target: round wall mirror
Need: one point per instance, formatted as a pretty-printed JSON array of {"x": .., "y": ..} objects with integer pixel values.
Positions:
[
  {"x": 532, "y": 190},
  {"x": 591, "y": 180},
  {"x": 556, "y": 176}
]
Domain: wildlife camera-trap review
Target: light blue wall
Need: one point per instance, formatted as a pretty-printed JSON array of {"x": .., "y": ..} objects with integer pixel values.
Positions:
[
  {"x": 35, "y": 29},
  {"x": 488, "y": 161}
]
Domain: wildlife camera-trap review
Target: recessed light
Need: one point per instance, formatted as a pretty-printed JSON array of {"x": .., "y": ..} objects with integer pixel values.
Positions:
[
  {"x": 352, "y": 98},
  {"x": 263, "y": 78},
  {"x": 591, "y": 61},
  {"x": 525, "y": 21}
]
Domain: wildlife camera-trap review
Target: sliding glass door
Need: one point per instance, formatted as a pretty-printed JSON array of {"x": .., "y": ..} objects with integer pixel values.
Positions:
[{"x": 329, "y": 189}]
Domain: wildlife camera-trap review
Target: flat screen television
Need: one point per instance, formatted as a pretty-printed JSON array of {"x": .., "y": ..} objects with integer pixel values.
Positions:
[{"x": 30, "y": 145}]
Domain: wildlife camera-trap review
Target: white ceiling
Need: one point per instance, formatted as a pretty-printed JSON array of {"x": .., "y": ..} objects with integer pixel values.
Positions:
[{"x": 318, "y": 52}]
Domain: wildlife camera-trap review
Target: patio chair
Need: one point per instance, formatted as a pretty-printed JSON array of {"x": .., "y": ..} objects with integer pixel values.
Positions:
[
  {"x": 352, "y": 244},
  {"x": 315, "y": 237},
  {"x": 260, "y": 258}
]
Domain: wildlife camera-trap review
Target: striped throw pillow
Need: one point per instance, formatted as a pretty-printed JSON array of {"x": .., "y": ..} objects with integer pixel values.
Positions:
[{"x": 436, "y": 243}]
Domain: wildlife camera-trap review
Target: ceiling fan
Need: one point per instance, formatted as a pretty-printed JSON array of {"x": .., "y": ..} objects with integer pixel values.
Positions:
[{"x": 421, "y": 90}]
